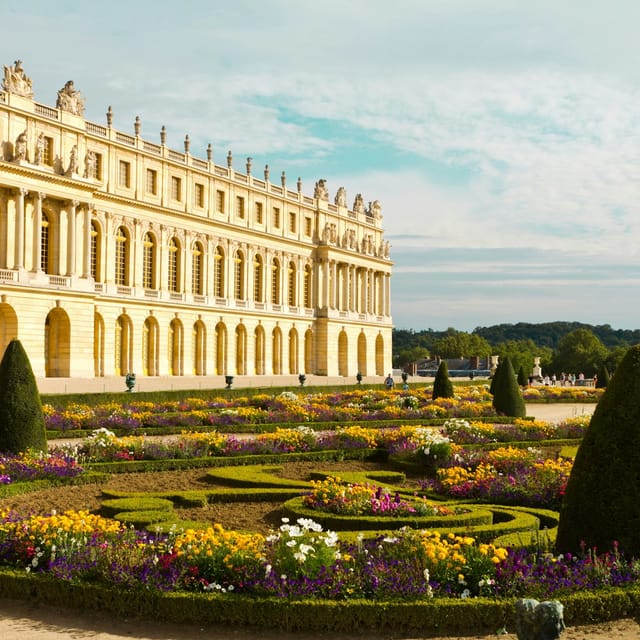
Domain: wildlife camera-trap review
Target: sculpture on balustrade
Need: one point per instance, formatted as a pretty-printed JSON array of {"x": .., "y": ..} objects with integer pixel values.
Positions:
[
  {"x": 375, "y": 209},
  {"x": 321, "y": 191},
  {"x": 73, "y": 160},
  {"x": 341, "y": 197},
  {"x": 16, "y": 81},
  {"x": 20, "y": 152},
  {"x": 358, "y": 204},
  {"x": 39, "y": 154},
  {"x": 70, "y": 99},
  {"x": 90, "y": 165}
]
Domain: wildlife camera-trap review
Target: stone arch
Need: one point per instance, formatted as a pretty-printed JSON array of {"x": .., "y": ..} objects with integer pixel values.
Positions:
[
  {"x": 8, "y": 326},
  {"x": 294, "y": 366},
  {"x": 123, "y": 346},
  {"x": 199, "y": 342},
  {"x": 241, "y": 350},
  {"x": 176, "y": 348},
  {"x": 151, "y": 347},
  {"x": 309, "y": 360},
  {"x": 260, "y": 350},
  {"x": 362, "y": 353},
  {"x": 276, "y": 358},
  {"x": 343, "y": 353},
  {"x": 57, "y": 344},
  {"x": 98, "y": 345},
  {"x": 221, "y": 348},
  {"x": 379, "y": 355}
]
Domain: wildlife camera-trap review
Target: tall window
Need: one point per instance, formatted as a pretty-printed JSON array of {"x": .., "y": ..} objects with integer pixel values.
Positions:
[
  {"x": 122, "y": 255},
  {"x": 292, "y": 277},
  {"x": 258, "y": 268},
  {"x": 47, "y": 152},
  {"x": 197, "y": 257},
  {"x": 259, "y": 213},
  {"x": 292, "y": 222},
  {"x": 124, "y": 174},
  {"x": 275, "y": 281},
  {"x": 198, "y": 195},
  {"x": 220, "y": 201},
  {"x": 240, "y": 207},
  {"x": 238, "y": 276},
  {"x": 307, "y": 227},
  {"x": 173, "y": 266},
  {"x": 276, "y": 217},
  {"x": 176, "y": 189},
  {"x": 307, "y": 287},
  {"x": 148, "y": 261},
  {"x": 44, "y": 243},
  {"x": 94, "y": 259},
  {"x": 218, "y": 273},
  {"x": 152, "y": 181}
]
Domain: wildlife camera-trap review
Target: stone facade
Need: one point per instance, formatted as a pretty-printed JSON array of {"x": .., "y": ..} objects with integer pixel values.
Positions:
[{"x": 121, "y": 255}]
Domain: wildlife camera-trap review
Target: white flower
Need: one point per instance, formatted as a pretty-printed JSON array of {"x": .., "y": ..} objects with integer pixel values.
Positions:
[{"x": 465, "y": 594}]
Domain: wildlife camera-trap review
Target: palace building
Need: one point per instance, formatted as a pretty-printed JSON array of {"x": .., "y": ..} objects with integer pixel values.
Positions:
[{"x": 120, "y": 255}]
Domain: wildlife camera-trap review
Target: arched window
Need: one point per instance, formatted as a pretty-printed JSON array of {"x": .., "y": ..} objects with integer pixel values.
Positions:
[
  {"x": 148, "y": 262},
  {"x": 173, "y": 266},
  {"x": 218, "y": 273},
  {"x": 275, "y": 281},
  {"x": 96, "y": 258},
  {"x": 45, "y": 237},
  {"x": 292, "y": 274},
  {"x": 307, "y": 287},
  {"x": 238, "y": 276},
  {"x": 258, "y": 269},
  {"x": 197, "y": 271},
  {"x": 122, "y": 257}
]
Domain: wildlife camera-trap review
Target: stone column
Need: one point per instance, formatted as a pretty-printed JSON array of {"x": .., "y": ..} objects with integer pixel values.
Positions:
[
  {"x": 71, "y": 237},
  {"x": 19, "y": 248}
]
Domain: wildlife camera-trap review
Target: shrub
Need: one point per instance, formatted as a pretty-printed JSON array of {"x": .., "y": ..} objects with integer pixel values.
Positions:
[
  {"x": 601, "y": 501},
  {"x": 22, "y": 424},
  {"x": 507, "y": 397},
  {"x": 442, "y": 387}
]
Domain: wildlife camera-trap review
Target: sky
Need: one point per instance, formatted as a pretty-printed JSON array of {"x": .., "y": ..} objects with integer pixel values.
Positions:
[{"x": 501, "y": 137}]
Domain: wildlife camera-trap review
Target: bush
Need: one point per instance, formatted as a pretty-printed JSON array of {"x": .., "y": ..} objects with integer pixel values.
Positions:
[
  {"x": 442, "y": 386},
  {"x": 22, "y": 426},
  {"x": 601, "y": 502},
  {"x": 507, "y": 397}
]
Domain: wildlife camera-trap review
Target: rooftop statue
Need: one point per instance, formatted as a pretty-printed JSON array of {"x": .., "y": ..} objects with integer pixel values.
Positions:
[
  {"x": 341, "y": 197},
  {"x": 358, "y": 204},
  {"x": 16, "y": 81},
  {"x": 321, "y": 191},
  {"x": 70, "y": 99}
]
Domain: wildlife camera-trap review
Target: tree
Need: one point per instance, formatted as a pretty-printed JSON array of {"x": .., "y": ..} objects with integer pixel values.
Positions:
[
  {"x": 522, "y": 353},
  {"x": 456, "y": 344},
  {"x": 507, "y": 398},
  {"x": 22, "y": 425},
  {"x": 579, "y": 352},
  {"x": 442, "y": 387},
  {"x": 603, "y": 377},
  {"x": 601, "y": 502},
  {"x": 409, "y": 356}
]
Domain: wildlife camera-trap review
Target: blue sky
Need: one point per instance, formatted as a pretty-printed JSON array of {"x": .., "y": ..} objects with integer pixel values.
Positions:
[{"x": 501, "y": 137}]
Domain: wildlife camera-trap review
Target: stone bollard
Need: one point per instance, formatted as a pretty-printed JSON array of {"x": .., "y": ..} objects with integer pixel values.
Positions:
[{"x": 539, "y": 620}]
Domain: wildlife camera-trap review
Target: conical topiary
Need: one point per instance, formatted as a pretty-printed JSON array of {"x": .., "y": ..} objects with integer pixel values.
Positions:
[
  {"x": 603, "y": 377},
  {"x": 523, "y": 381},
  {"x": 492, "y": 384},
  {"x": 507, "y": 397},
  {"x": 442, "y": 387},
  {"x": 22, "y": 425},
  {"x": 602, "y": 499}
]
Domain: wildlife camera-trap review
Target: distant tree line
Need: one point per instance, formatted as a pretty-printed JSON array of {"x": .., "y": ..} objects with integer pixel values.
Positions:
[{"x": 563, "y": 347}]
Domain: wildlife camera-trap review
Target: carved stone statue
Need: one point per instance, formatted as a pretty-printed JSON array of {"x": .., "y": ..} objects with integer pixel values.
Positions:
[
  {"x": 21, "y": 147},
  {"x": 321, "y": 191},
  {"x": 358, "y": 204},
  {"x": 90, "y": 165},
  {"x": 70, "y": 99},
  {"x": 325, "y": 233},
  {"x": 333, "y": 233},
  {"x": 39, "y": 155},
  {"x": 341, "y": 197},
  {"x": 16, "y": 81},
  {"x": 376, "y": 209},
  {"x": 73, "y": 160},
  {"x": 387, "y": 247}
]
